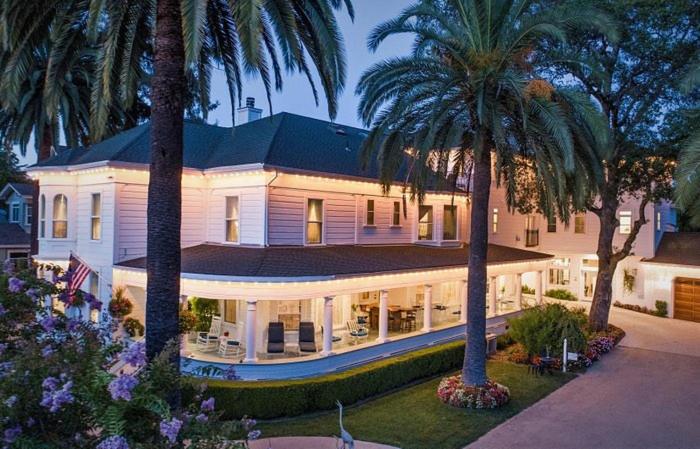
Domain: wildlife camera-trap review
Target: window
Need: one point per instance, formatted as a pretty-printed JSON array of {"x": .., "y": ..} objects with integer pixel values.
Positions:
[
  {"x": 369, "y": 220},
  {"x": 95, "y": 217},
  {"x": 494, "y": 221},
  {"x": 558, "y": 276},
  {"x": 232, "y": 223},
  {"x": 449, "y": 223},
  {"x": 27, "y": 214},
  {"x": 552, "y": 224},
  {"x": 314, "y": 222},
  {"x": 42, "y": 217},
  {"x": 60, "y": 217},
  {"x": 396, "y": 217},
  {"x": 14, "y": 213},
  {"x": 579, "y": 224},
  {"x": 625, "y": 222},
  {"x": 94, "y": 289},
  {"x": 561, "y": 261},
  {"x": 658, "y": 221},
  {"x": 230, "y": 311},
  {"x": 425, "y": 222}
]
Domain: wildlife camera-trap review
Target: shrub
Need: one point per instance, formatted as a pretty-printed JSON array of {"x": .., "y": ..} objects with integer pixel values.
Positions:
[
  {"x": 273, "y": 399},
  {"x": 544, "y": 328},
  {"x": 503, "y": 341},
  {"x": 562, "y": 294},
  {"x": 133, "y": 327},
  {"x": 188, "y": 321},
  {"x": 453, "y": 392},
  {"x": 204, "y": 309},
  {"x": 527, "y": 290},
  {"x": 517, "y": 354},
  {"x": 661, "y": 308},
  {"x": 119, "y": 305}
]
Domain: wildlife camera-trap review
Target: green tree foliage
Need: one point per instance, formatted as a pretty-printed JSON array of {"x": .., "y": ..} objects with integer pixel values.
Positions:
[
  {"x": 9, "y": 167},
  {"x": 688, "y": 171}
]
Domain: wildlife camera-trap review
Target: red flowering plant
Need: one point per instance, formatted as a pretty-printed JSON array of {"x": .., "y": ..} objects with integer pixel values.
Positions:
[
  {"x": 452, "y": 391},
  {"x": 57, "y": 389}
]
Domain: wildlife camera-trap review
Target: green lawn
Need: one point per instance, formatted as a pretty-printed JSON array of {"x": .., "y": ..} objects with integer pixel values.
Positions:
[{"x": 414, "y": 418}]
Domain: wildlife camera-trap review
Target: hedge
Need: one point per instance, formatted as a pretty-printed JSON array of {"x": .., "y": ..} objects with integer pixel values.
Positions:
[{"x": 273, "y": 399}]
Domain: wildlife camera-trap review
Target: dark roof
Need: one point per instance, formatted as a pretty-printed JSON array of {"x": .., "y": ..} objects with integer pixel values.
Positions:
[
  {"x": 329, "y": 261},
  {"x": 13, "y": 234},
  {"x": 24, "y": 189},
  {"x": 284, "y": 140},
  {"x": 678, "y": 248}
]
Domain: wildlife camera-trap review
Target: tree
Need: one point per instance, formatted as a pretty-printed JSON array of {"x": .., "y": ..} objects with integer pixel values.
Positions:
[
  {"x": 467, "y": 100},
  {"x": 688, "y": 170},
  {"x": 635, "y": 82},
  {"x": 9, "y": 167}
]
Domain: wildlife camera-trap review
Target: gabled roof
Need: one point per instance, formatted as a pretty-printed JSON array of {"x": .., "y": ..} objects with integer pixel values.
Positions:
[
  {"x": 12, "y": 234},
  {"x": 334, "y": 261},
  {"x": 284, "y": 141},
  {"x": 22, "y": 189},
  {"x": 678, "y": 248}
]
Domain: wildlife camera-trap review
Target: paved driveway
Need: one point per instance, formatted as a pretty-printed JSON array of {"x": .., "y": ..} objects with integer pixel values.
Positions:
[{"x": 645, "y": 395}]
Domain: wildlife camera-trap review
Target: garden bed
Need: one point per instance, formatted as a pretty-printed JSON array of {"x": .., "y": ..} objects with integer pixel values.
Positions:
[{"x": 660, "y": 311}]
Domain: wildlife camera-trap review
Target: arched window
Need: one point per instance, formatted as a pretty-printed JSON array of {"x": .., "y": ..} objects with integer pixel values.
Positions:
[
  {"x": 42, "y": 216},
  {"x": 60, "y": 217}
]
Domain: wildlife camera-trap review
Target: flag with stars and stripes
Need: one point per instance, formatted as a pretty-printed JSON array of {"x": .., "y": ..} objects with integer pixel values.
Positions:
[{"x": 80, "y": 271}]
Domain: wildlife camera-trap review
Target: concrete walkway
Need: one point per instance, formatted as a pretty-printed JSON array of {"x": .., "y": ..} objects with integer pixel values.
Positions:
[{"x": 644, "y": 395}]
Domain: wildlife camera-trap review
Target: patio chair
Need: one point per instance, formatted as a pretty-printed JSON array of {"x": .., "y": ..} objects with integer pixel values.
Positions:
[
  {"x": 275, "y": 338},
  {"x": 356, "y": 331},
  {"x": 207, "y": 341},
  {"x": 229, "y": 347},
  {"x": 307, "y": 337}
]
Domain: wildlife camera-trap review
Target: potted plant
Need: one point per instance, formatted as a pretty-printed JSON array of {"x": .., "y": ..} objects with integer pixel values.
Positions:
[
  {"x": 119, "y": 305},
  {"x": 133, "y": 327},
  {"x": 188, "y": 321}
]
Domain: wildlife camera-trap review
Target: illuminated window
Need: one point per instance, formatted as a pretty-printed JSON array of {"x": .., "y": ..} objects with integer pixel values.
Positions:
[
  {"x": 425, "y": 222},
  {"x": 396, "y": 217},
  {"x": 579, "y": 224},
  {"x": 96, "y": 217},
  {"x": 42, "y": 217},
  {"x": 494, "y": 221},
  {"x": 369, "y": 220},
  {"x": 60, "y": 217},
  {"x": 561, "y": 261},
  {"x": 232, "y": 224},
  {"x": 230, "y": 311},
  {"x": 449, "y": 223},
  {"x": 558, "y": 276},
  {"x": 552, "y": 224},
  {"x": 314, "y": 222},
  {"x": 625, "y": 222},
  {"x": 94, "y": 289}
]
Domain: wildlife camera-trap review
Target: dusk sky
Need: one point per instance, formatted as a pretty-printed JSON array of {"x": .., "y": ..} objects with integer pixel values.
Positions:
[{"x": 296, "y": 95}]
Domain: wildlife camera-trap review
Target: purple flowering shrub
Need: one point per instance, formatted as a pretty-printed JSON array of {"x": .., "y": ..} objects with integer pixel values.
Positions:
[{"x": 63, "y": 384}]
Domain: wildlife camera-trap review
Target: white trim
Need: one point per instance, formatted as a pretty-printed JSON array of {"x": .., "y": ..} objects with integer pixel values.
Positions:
[{"x": 10, "y": 219}]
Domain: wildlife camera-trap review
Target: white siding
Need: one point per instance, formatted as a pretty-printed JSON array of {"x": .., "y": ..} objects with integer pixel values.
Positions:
[{"x": 251, "y": 204}]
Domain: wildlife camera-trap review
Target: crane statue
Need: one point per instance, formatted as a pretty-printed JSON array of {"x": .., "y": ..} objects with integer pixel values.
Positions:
[{"x": 348, "y": 441}]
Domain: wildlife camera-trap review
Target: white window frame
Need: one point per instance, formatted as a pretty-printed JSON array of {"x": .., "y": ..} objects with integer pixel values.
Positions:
[
  {"x": 54, "y": 220},
  {"x": 15, "y": 206},
  {"x": 456, "y": 216},
  {"x": 42, "y": 216},
  {"x": 494, "y": 221},
  {"x": 396, "y": 214},
  {"x": 370, "y": 220},
  {"x": 431, "y": 223},
  {"x": 95, "y": 218},
  {"x": 625, "y": 228},
  {"x": 306, "y": 221},
  {"x": 228, "y": 219}
]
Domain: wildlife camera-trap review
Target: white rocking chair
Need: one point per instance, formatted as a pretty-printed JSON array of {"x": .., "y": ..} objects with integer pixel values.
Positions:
[{"x": 207, "y": 341}]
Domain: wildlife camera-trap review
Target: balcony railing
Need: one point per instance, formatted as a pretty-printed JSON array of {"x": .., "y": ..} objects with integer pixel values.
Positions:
[{"x": 532, "y": 237}]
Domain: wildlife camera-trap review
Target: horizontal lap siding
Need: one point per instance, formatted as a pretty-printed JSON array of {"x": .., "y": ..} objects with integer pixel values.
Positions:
[
  {"x": 383, "y": 231},
  {"x": 131, "y": 221},
  {"x": 252, "y": 214},
  {"x": 193, "y": 224}
]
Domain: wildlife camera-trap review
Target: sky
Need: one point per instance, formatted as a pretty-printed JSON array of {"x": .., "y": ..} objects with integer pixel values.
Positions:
[{"x": 296, "y": 95}]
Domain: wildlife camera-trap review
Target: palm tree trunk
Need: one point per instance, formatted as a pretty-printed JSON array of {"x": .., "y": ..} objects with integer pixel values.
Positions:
[
  {"x": 164, "y": 188},
  {"x": 474, "y": 370},
  {"x": 602, "y": 295}
]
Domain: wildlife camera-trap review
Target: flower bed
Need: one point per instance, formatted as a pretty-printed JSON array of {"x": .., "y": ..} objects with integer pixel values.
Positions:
[
  {"x": 452, "y": 391},
  {"x": 660, "y": 311}
]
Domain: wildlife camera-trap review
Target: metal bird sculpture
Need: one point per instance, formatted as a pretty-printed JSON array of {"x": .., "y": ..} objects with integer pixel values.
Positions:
[{"x": 348, "y": 441}]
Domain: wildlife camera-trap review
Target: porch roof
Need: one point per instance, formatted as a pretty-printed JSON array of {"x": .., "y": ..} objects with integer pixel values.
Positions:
[{"x": 335, "y": 261}]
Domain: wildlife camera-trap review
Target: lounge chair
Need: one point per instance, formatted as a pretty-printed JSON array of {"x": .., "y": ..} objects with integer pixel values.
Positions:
[
  {"x": 356, "y": 331},
  {"x": 307, "y": 337},
  {"x": 275, "y": 338},
  {"x": 207, "y": 341}
]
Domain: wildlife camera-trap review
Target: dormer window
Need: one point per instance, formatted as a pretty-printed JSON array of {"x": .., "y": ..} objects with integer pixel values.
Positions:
[
  {"x": 314, "y": 222},
  {"x": 60, "y": 217},
  {"x": 369, "y": 219},
  {"x": 232, "y": 219}
]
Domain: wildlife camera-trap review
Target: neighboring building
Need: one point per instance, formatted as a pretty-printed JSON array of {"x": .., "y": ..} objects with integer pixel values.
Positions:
[{"x": 16, "y": 221}]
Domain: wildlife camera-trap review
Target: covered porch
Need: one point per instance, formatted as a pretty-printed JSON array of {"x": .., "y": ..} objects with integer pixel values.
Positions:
[{"x": 346, "y": 319}]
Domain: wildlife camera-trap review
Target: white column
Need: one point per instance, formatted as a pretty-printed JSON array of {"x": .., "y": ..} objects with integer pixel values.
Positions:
[
  {"x": 465, "y": 295},
  {"x": 427, "y": 308},
  {"x": 383, "y": 316},
  {"x": 493, "y": 304},
  {"x": 519, "y": 291},
  {"x": 327, "y": 325},
  {"x": 538, "y": 287},
  {"x": 250, "y": 331}
]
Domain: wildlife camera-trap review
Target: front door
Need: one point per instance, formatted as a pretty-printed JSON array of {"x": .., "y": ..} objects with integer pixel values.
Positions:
[{"x": 588, "y": 284}]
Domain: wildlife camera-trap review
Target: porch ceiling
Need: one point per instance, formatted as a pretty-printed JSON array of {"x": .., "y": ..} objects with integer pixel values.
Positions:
[{"x": 331, "y": 262}]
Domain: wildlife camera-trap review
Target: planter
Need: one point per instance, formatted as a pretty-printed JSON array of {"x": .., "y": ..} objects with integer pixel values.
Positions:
[{"x": 453, "y": 392}]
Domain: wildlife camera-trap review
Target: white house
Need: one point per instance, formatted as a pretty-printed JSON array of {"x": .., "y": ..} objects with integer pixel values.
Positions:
[
  {"x": 281, "y": 224},
  {"x": 15, "y": 220}
]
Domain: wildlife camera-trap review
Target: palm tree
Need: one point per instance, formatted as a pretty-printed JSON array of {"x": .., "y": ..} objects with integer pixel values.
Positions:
[
  {"x": 469, "y": 96},
  {"x": 688, "y": 170}
]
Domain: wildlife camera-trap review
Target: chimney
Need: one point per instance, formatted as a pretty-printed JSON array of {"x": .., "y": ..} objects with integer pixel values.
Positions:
[{"x": 249, "y": 113}]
